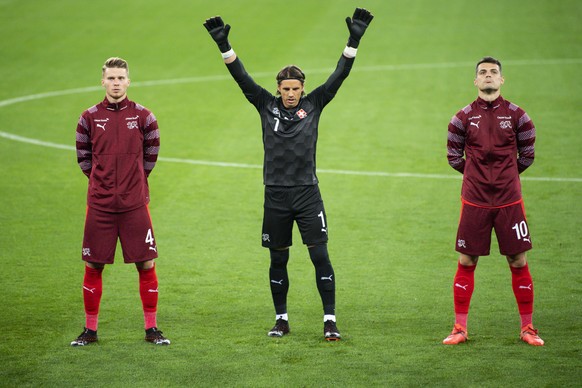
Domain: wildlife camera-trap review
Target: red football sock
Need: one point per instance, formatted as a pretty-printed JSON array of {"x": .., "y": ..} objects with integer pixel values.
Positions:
[
  {"x": 148, "y": 291},
  {"x": 92, "y": 290},
  {"x": 522, "y": 284},
  {"x": 463, "y": 286}
]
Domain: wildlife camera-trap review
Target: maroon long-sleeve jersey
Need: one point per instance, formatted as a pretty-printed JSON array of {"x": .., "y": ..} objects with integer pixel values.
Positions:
[
  {"x": 491, "y": 143},
  {"x": 117, "y": 148}
]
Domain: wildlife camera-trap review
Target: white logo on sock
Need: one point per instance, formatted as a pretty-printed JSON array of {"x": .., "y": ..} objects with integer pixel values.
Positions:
[
  {"x": 91, "y": 290},
  {"x": 461, "y": 286}
]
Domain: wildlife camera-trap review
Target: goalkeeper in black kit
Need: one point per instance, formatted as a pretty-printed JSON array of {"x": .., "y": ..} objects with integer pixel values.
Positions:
[{"x": 290, "y": 124}]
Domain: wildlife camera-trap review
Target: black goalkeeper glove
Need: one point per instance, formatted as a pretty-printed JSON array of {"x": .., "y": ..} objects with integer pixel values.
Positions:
[
  {"x": 357, "y": 25},
  {"x": 219, "y": 32}
]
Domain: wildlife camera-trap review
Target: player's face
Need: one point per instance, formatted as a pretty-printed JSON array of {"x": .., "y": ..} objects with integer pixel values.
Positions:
[
  {"x": 291, "y": 90},
  {"x": 488, "y": 79},
  {"x": 115, "y": 82}
]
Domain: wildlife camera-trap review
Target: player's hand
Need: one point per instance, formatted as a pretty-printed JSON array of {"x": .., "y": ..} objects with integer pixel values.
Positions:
[
  {"x": 357, "y": 25},
  {"x": 219, "y": 32}
]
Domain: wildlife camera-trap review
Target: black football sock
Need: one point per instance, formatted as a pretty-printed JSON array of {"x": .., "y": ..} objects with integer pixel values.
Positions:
[
  {"x": 324, "y": 277},
  {"x": 279, "y": 279}
]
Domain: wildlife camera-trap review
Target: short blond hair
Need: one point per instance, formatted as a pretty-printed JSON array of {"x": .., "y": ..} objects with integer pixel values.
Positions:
[{"x": 115, "y": 63}]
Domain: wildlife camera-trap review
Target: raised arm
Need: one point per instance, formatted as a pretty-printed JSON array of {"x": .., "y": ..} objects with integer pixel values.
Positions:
[
  {"x": 357, "y": 25},
  {"x": 219, "y": 33}
]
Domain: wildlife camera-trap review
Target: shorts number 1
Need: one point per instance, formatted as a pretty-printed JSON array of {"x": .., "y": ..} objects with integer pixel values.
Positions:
[{"x": 320, "y": 215}]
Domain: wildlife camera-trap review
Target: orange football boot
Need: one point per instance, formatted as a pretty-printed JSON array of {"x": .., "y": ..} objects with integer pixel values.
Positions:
[
  {"x": 458, "y": 335},
  {"x": 530, "y": 335}
]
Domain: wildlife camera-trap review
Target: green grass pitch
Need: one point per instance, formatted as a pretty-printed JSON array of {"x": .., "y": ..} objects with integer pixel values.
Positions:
[{"x": 391, "y": 198}]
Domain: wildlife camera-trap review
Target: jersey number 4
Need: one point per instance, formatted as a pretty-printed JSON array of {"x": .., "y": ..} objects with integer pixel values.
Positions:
[{"x": 149, "y": 237}]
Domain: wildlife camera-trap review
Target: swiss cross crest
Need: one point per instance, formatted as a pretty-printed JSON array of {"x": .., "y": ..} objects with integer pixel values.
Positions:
[
  {"x": 505, "y": 124},
  {"x": 301, "y": 113}
]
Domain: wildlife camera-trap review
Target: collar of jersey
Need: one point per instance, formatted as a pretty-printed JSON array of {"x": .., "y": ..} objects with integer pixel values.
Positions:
[
  {"x": 488, "y": 105},
  {"x": 115, "y": 106}
]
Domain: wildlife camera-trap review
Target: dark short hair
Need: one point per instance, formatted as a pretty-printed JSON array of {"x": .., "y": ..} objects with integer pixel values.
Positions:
[
  {"x": 290, "y": 72},
  {"x": 488, "y": 60}
]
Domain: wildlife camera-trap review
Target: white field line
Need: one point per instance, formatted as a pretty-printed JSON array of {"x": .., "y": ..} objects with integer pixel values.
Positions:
[
  {"x": 212, "y": 78},
  {"x": 256, "y": 166},
  {"x": 527, "y": 62}
]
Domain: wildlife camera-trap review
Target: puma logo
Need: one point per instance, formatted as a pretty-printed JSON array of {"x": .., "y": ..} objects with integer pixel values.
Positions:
[{"x": 91, "y": 290}]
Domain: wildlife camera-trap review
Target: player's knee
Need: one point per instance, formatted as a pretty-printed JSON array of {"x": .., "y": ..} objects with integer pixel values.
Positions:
[
  {"x": 279, "y": 258},
  {"x": 319, "y": 256},
  {"x": 145, "y": 265},
  {"x": 517, "y": 261}
]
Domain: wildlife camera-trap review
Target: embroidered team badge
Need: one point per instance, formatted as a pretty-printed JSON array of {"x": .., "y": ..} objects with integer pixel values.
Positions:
[
  {"x": 132, "y": 122},
  {"x": 505, "y": 124},
  {"x": 301, "y": 113}
]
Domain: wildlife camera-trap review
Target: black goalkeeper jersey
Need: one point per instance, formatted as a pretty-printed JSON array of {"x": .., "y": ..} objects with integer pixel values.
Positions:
[{"x": 290, "y": 135}]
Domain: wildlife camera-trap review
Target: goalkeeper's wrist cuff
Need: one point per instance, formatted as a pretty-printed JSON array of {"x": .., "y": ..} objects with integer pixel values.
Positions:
[
  {"x": 350, "y": 52},
  {"x": 227, "y": 54}
]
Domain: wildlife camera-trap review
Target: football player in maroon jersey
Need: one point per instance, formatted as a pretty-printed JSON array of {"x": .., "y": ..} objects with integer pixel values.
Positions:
[
  {"x": 117, "y": 147},
  {"x": 491, "y": 141}
]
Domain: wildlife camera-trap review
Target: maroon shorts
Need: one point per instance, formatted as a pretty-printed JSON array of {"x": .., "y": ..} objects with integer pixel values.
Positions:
[
  {"x": 133, "y": 228},
  {"x": 509, "y": 223}
]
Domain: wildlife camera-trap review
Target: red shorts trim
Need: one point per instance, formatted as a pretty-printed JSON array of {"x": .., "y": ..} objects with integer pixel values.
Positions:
[
  {"x": 477, "y": 222},
  {"x": 133, "y": 229},
  {"x": 464, "y": 201}
]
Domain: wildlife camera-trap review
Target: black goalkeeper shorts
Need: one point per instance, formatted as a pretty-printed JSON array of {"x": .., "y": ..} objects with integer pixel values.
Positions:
[{"x": 302, "y": 204}]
